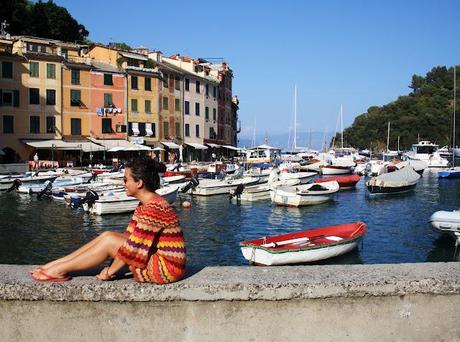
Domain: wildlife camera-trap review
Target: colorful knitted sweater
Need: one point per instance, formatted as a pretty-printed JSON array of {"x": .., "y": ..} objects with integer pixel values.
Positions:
[{"x": 155, "y": 248}]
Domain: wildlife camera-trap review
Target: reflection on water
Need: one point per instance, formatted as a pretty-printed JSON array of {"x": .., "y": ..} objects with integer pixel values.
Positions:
[{"x": 33, "y": 232}]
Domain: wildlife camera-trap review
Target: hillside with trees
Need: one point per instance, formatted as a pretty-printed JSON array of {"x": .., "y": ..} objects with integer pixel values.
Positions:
[
  {"x": 425, "y": 113},
  {"x": 41, "y": 19}
]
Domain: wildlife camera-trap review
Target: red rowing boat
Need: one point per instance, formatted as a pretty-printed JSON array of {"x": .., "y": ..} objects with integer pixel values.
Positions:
[
  {"x": 345, "y": 182},
  {"x": 305, "y": 246}
]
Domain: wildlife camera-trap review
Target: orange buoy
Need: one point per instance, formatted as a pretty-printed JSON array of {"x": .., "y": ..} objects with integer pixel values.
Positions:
[{"x": 186, "y": 204}]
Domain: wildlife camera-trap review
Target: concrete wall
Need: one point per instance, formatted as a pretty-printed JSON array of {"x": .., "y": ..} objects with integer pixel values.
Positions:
[
  {"x": 14, "y": 168},
  {"x": 407, "y": 302}
]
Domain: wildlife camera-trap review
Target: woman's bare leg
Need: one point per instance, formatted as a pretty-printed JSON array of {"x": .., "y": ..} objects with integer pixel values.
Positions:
[
  {"x": 75, "y": 253},
  {"x": 94, "y": 255}
]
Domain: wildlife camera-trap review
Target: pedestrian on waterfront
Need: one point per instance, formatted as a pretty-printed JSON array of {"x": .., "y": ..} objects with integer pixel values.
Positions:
[
  {"x": 153, "y": 245},
  {"x": 36, "y": 160}
]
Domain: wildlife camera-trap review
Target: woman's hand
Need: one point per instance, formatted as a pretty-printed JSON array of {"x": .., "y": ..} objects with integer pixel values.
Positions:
[{"x": 104, "y": 275}]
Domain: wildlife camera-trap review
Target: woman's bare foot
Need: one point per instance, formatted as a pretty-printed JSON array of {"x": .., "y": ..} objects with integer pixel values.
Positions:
[{"x": 40, "y": 274}]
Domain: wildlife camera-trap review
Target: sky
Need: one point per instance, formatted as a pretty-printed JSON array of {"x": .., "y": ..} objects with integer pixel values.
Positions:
[{"x": 352, "y": 53}]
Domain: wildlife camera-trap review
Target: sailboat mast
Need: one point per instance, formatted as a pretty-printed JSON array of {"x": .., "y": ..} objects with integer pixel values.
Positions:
[
  {"x": 388, "y": 136},
  {"x": 453, "y": 129},
  {"x": 341, "y": 121},
  {"x": 295, "y": 117}
]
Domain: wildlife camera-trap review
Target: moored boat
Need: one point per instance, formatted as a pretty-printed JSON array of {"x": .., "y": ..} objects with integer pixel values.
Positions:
[
  {"x": 447, "y": 222},
  {"x": 452, "y": 172},
  {"x": 398, "y": 181},
  {"x": 345, "y": 182},
  {"x": 210, "y": 187},
  {"x": 306, "y": 194},
  {"x": 304, "y": 246}
]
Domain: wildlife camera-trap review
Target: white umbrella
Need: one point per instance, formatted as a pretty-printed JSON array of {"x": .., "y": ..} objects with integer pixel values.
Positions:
[
  {"x": 181, "y": 148},
  {"x": 158, "y": 149}
]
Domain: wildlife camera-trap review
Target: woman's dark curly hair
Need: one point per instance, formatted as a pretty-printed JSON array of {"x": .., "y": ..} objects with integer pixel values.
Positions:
[{"x": 146, "y": 169}]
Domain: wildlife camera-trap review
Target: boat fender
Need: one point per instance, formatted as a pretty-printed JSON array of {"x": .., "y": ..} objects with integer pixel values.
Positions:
[{"x": 16, "y": 184}]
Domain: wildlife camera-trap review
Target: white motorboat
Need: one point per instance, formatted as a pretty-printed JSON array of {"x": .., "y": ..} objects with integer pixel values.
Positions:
[
  {"x": 303, "y": 177},
  {"x": 210, "y": 187},
  {"x": 447, "y": 222},
  {"x": 306, "y": 194},
  {"x": 427, "y": 152},
  {"x": 174, "y": 179},
  {"x": 261, "y": 192},
  {"x": 58, "y": 182},
  {"x": 119, "y": 202}
]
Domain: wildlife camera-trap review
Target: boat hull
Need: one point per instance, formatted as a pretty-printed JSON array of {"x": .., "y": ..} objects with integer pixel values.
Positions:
[
  {"x": 336, "y": 170},
  {"x": 446, "y": 222},
  {"x": 305, "y": 246},
  {"x": 387, "y": 190}
]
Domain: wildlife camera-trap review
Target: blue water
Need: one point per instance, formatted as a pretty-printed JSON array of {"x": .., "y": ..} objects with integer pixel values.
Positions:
[{"x": 32, "y": 231}]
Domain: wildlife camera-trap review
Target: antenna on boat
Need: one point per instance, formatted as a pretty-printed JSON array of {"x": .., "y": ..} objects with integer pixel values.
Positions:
[{"x": 254, "y": 134}]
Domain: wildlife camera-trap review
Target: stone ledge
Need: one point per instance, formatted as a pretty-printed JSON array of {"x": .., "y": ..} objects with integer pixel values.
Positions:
[{"x": 245, "y": 283}]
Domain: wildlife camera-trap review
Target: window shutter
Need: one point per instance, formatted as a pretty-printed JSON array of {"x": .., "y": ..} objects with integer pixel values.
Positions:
[
  {"x": 16, "y": 98},
  {"x": 1, "y": 98}
]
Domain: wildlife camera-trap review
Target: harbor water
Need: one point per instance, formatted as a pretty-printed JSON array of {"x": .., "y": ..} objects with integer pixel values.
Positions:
[{"x": 33, "y": 231}]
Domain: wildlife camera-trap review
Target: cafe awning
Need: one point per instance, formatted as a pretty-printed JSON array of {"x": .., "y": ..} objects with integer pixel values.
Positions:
[
  {"x": 231, "y": 147},
  {"x": 170, "y": 144},
  {"x": 213, "y": 145},
  {"x": 197, "y": 146},
  {"x": 85, "y": 146}
]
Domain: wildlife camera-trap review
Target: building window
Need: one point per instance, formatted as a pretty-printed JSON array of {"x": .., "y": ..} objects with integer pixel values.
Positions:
[
  {"x": 197, "y": 131},
  {"x": 34, "y": 124},
  {"x": 108, "y": 80},
  {"x": 187, "y": 84},
  {"x": 50, "y": 97},
  {"x": 197, "y": 109},
  {"x": 187, "y": 130},
  {"x": 165, "y": 129},
  {"x": 214, "y": 114},
  {"x": 8, "y": 124},
  {"x": 165, "y": 80},
  {"x": 75, "y": 126},
  {"x": 165, "y": 102},
  {"x": 177, "y": 83},
  {"x": 75, "y": 78},
  {"x": 34, "y": 96},
  {"x": 108, "y": 101},
  {"x": 187, "y": 107},
  {"x": 206, "y": 113},
  {"x": 133, "y": 105},
  {"x": 50, "y": 70},
  {"x": 75, "y": 97},
  {"x": 148, "y": 106},
  {"x": 177, "y": 105},
  {"x": 133, "y": 82},
  {"x": 7, "y": 70},
  {"x": 33, "y": 69},
  {"x": 148, "y": 84},
  {"x": 207, "y": 89},
  {"x": 7, "y": 98},
  {"x": 107, "y": 125},
  {"x": 214, "y": 92},
  {"x": 197, "y": 86},
  {"x": 177, "y": 129},
  {"x": 50, "y": 124}
]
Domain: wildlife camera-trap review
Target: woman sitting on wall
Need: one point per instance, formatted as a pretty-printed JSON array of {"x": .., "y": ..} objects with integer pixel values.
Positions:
[{"x": 153, "y": 245}]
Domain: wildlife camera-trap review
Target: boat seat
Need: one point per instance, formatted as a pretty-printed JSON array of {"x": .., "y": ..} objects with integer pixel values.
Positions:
[{"x": 334, "y": 238}]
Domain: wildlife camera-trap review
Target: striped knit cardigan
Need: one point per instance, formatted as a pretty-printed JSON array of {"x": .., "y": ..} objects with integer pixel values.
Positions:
[{"x": 155, "y": 248}]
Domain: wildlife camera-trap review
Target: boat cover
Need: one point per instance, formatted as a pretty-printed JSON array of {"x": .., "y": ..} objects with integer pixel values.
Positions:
[
  {"x": 404, "y": 177},
  {"x": 418, "y": 165}
]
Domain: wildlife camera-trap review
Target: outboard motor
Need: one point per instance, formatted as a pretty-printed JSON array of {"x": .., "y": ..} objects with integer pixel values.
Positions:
[
  {"x": 90, "y": 198},
  {"x": 16, "y": 184},
  {"x": 46, "y": 192},
  {"x": 92, "y": 178},
  {"x": 237, "y": 192},
  {"x": 194, "y": 182}
]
